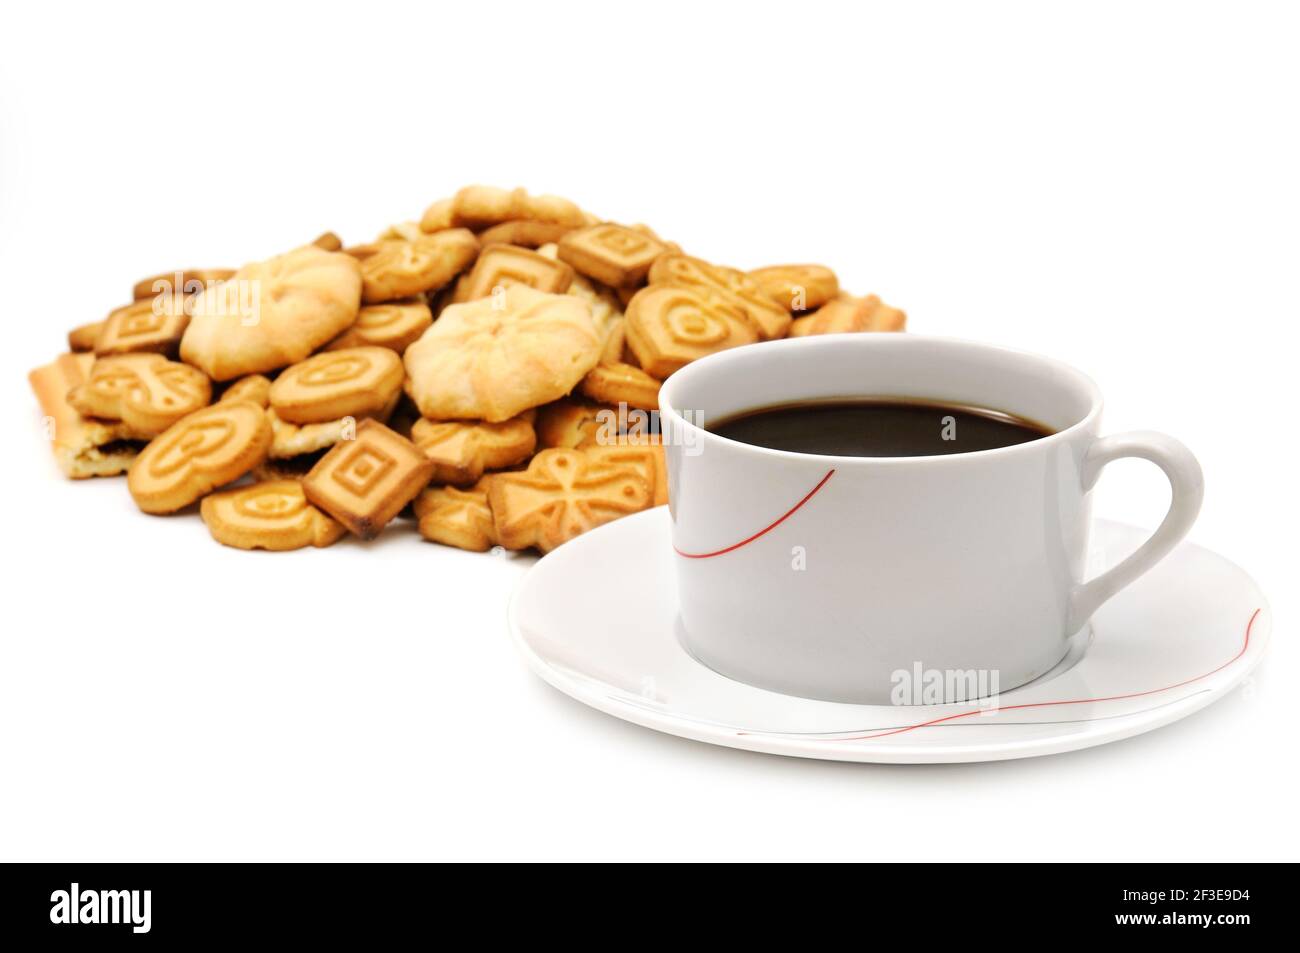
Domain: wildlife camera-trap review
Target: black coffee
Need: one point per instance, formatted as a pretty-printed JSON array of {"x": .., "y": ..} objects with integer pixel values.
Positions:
[{"x": 878, "y": 428}]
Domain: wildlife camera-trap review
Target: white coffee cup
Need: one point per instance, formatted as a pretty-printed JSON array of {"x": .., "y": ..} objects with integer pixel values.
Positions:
[{"x": 828, "y": 576}]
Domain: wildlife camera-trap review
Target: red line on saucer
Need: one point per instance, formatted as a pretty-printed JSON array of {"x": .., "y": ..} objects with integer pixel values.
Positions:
[
  {"x": 766, "y": 529},
  {"x": 1076, "y": 701}
]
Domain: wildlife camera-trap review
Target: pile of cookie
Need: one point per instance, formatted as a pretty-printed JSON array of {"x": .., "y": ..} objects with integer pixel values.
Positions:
[{"x": 493, "y": 369}]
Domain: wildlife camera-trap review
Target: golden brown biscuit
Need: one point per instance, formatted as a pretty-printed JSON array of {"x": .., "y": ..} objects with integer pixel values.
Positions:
[
  {"x": 438, "y": 216},
  {"x": 83, "y": 338},
  {"x": 568, "y": 423},
  {"x": 328, "y": 241},
  {"x": 462, "y": 450},
  {"x": 188, "y": 282},
  {"x": 393, "y": 324},
  {"x": 726, "y": 286},
  {"x": 82, "y": 448},
  {"x": 254, "y": 387},
  {"x": 364, "y": 483},
  {"x": 199, "y": 453},
  {"x": 151, "y": 325},
  {"x": 272, "y": 516},
  {"x": 502, "y": 266},
  {"x": 496, "y": 357},
  {"x": 398, "y": 269},
  {"x": 272, "y": 313},
  {"x": 615, "y": 342},
  {"x": 645, "y": 455},
  {"x": 147, "y": 392},
  {"x": 455, "y": 517},
  {"x": 847, "y": 314},
  {"x": 668, "y": 327},
  {"x": 797, "y": 288},
  {"x": 480, "y": 206},
  {"x": 613, "y": 254},
  {"x": 619, "y": 383},
  {"x": 524, "y": 233},
  {"x": 356, "y": 382},
  {"x": 562, "y": 494}
]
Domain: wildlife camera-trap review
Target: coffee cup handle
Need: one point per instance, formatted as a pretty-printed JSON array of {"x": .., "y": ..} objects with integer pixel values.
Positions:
[{"x": 1188, "y": 488}]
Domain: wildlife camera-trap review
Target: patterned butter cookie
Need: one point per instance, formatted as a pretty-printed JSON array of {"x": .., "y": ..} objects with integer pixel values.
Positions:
[
  {"x": 523, "y": 233},
  {"x": 188, "y": 282},
  {"x": 616, "y": 382},
  {"x": 493, "y": 358},
  {"x": 152, "y": 325},
  {"x": 455, "y": 517},
  {"x": 364, "y": 483},
  {"x": 847, "y": 314},
  {"x": 503, "y": 266},
  {"x": 668, "y": 327},
  {"x": 394, "y": 325},
  {"x": 612, "y": 254},
  {"x": 645, "y": 455},
  {"x": 82, "y": 448},
  {"x": 289, "y": 440},
  {"x": 199, "y": 453},
  {"x": 273, "y": 313},
  {"x": 146, "y": 392},
  {"x": 254, "y": 387},
  {"x": 462, "y": 450},
  {"x": 797, "y": 288},
  {"x": 273, "y": 516},
  {"x": 727, "y": 286},
  {"x": 357, "y": 382},
  {"x": 562, "y": 494},
  {"x": 569, "y": 423},
  {"x": 398, "y": 269},
  {"x": 83, "y": 338}
]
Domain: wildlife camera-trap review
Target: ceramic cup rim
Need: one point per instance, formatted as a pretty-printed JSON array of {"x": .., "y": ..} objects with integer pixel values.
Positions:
[{"x": 712, "y": 363}]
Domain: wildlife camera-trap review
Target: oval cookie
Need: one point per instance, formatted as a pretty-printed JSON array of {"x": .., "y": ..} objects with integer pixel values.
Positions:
[{"x": 355, "y": 382}]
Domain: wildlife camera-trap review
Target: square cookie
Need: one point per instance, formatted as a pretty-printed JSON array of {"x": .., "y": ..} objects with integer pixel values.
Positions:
[{"x": 364, "y": 482}]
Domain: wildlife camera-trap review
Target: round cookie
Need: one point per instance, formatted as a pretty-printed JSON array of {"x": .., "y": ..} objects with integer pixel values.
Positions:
[
  {"x": 272, "y": 313},
  {"x": 355, "y": 381},
  {"x": 492, "y": 358},
  {"x": 273, "y": 515},
  {"x": 199, "y": 453}
]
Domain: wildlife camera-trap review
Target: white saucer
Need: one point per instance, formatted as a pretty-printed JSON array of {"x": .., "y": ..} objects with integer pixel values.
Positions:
[{"x": 597, "y": 619}]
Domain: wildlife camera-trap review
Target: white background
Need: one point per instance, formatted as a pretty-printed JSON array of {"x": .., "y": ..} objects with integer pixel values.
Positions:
[{"x": 1114, "y": 185}]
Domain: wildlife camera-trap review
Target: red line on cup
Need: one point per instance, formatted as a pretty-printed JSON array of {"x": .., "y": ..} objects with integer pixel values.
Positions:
[
  {"x": 766, "y": 529},
  {"x": 1075, "y": 701}
]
